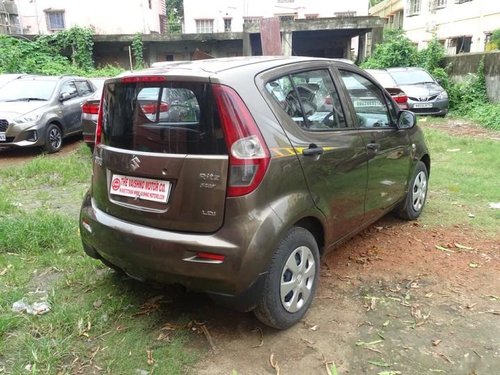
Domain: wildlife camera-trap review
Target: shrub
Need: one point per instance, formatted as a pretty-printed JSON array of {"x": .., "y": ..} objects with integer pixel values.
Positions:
[{"x": 395, "y": 50}]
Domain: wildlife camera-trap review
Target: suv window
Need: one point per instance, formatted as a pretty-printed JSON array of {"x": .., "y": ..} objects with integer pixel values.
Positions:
[
  {"x": 310, "y": 99},
  {"x": 177, "y": 118},
  {"x": 84, "y": 88},
  {"x": 368, "y": 100},
  {"x": 69, "y": 88}
]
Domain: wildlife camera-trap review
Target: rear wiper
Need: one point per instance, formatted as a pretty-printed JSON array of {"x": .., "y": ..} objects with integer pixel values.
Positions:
[{"x": 25, "y": 99}]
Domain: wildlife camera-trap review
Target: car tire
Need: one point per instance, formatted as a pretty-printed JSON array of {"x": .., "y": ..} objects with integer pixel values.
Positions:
[
  {"x": 416, "y": 196},
  {"x": 291, "y": 281},
  {"x": 53, "y": 139}
]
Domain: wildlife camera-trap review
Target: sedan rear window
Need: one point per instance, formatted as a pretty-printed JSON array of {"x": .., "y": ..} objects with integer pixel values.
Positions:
[{"x": 173, "y": 117}]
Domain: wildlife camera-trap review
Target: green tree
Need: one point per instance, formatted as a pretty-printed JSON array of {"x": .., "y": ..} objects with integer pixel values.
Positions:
[
  {"x": 395, "y": 50},
  {"x": 175, "y": 15},
  {"x": 495, "y": 39}
]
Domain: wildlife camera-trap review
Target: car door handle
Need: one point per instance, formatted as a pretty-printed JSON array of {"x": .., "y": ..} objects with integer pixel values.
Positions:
[
  {"x": 373, "y": 146},
  {"x": 313, "y": 150}
]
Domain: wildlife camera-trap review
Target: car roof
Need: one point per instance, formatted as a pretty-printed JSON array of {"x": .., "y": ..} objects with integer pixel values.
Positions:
[
  {"x": 47, "y": 78},
  {"x": 219, "y": 65},
  {"x": 404, "y": 69}
]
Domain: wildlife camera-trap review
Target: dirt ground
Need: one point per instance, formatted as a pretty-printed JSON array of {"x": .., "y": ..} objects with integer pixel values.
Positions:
[
  {"x": 398, "y": 297},
  {"x": 16, "y": 156}
]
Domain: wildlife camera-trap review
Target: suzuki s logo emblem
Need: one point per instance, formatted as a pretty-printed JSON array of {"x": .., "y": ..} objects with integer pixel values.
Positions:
[{"x": 134, "y": 163}]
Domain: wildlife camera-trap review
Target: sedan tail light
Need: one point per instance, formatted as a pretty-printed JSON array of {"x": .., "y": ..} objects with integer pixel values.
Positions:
[{"x": 91, "y": 108}]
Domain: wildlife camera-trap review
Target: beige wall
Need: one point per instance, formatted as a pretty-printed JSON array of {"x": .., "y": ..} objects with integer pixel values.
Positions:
[
  {"x": 217, "y": 10},
  {"x": 105, "y": 16},
  {"x": 473, "y": 18}
]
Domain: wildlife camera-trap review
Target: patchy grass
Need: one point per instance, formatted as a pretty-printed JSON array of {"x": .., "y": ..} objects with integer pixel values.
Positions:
[
  {"x": 99, "y": 322},
  {"x": 465, "y": 176}
]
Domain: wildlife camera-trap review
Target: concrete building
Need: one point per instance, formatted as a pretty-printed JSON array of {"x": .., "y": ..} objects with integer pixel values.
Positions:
[
  {"x": 461, "y": 25},
  {"x": 392, "y": 11},
  {"x": 216, "y": 16},
  {"x": 104, "y": 16},
  {"x": 9, "y": 18}
]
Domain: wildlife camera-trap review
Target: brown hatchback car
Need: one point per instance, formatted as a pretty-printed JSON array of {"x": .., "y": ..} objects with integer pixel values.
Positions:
[{"x": 233, "y": 176}]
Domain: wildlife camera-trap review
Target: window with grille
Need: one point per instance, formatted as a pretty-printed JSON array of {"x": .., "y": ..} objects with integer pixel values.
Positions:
[
  {"x": 227, "y": 24},
  {"x": 414, "y": 7},
  {"x": 204, "y": 26},
  {"x": 55, "y": 20}
]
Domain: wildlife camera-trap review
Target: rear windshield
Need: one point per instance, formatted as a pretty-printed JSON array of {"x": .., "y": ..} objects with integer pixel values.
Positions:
[{"x": 165, "y": 117}]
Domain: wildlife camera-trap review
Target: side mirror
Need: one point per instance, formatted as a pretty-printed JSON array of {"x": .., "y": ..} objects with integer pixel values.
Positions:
[
  {"x": 406, "y": 120},
  {"x": 66, "y": 96}
]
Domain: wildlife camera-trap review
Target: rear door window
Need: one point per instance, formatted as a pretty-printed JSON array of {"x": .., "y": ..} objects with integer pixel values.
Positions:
[
  {"x": 173, "y": 117},
  {"x": 310, "y": 99},
  {"x": 84, "y": 88}
]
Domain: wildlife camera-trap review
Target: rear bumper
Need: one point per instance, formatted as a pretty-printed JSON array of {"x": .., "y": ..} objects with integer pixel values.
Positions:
[
  {"x": 88, "y": 126},
  {"x": 439, "y": 108},
  {"x": 152, "y": 254}
]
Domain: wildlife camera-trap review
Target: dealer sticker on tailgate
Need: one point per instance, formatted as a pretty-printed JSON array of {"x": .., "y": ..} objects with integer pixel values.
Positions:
[{"x": 142, "y": 188}]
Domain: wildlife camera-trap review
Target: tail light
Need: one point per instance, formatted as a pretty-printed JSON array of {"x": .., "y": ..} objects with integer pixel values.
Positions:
[
  {"x": 152, "y": 108},
  {"x": 98, "y": 128},
  {"x": 248, "y": 153},
  {"x": 91, "y": 108},
  {"x": 400, "y": 98}
]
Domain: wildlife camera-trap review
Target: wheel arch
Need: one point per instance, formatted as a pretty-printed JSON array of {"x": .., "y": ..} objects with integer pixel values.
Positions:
[
  {"x": 315, "y": 226},
  {"x": 427, "y": 161}
]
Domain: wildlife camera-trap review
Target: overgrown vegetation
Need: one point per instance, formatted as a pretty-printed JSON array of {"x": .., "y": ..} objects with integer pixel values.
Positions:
[
  {"x": 65, "y": 52},
  {"x": 467, "y": 98},
  {"x": 175, "y": 14},
  {"x": 137, "y": 51}
]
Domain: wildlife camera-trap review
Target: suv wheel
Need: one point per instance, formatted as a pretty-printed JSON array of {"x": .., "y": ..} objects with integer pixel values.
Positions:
[
  {"x": 53, "y": 140},
  {"x": 414, "y": 203},
  {"x": 292, "y": 280}
]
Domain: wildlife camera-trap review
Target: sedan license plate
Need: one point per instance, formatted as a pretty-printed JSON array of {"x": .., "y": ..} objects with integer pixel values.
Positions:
[
  {"x": 422, "y": 105},
  {"x": 2, "y": 137},
  {"x": 141, "y": 188}
]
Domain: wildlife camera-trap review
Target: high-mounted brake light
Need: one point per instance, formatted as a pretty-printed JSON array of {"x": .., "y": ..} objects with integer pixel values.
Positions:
[
  {"x": 135, "y": 79},
  {"x": 249, "y": 156}
]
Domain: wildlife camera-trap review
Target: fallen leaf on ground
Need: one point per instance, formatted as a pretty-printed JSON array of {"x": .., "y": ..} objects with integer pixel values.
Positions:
[
  {"x": 150, "y": 357},
  {"x": 274, "y": 364},
  {"x": 261, "y": 334},
  {"x": 362, "y": 343},
  {"x": 379, "y": 364},
  {"x": 443, "y": 248},
  {"x": 331, "y": 369},
  {"x": 462, "y": 247}
]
